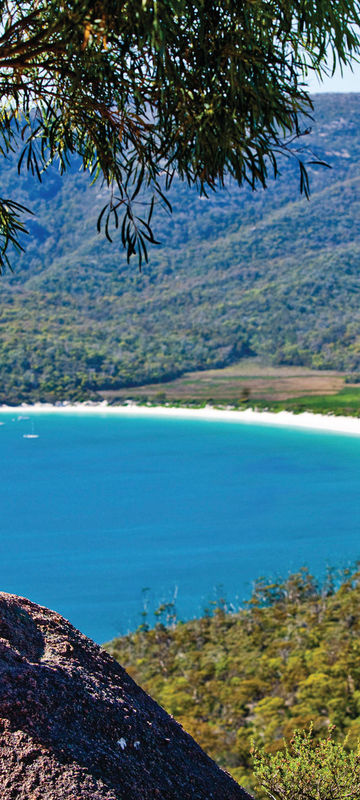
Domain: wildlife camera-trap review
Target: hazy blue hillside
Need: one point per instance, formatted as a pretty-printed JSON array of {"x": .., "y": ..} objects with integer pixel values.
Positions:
[{"x": 266, "y": 273}]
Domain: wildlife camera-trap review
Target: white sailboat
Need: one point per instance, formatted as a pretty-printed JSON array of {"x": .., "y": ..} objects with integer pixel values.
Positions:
[{"x": 31, "y": 435}]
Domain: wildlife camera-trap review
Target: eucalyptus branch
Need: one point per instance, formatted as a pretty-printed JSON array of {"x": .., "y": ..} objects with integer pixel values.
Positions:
[{"x": 142, "y": 89}]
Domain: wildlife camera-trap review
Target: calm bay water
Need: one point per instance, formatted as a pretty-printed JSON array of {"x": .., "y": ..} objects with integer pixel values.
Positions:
[{"x": 99, "y": 507}]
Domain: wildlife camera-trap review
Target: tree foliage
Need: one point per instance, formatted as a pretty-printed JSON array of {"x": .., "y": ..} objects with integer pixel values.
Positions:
[
  {"x": 244, "y": 272},
  {"x": 309, "y": 770},
  {"x": 143, "y": 89},
  {"x": 290, "y": 658}
]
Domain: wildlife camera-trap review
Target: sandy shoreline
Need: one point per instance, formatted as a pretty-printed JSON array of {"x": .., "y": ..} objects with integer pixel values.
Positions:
[{"x": 305, "y": 420}]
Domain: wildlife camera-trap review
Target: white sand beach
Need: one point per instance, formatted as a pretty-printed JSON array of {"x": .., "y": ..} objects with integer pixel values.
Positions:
[{"x": 306, "y": 420}]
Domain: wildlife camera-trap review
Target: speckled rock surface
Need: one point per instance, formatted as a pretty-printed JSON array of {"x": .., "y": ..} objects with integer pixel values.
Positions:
[{"x": 75, "y": 726}]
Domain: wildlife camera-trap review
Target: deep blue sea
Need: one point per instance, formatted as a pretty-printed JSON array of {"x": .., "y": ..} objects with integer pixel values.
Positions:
[{"x": 99, "y": 508}]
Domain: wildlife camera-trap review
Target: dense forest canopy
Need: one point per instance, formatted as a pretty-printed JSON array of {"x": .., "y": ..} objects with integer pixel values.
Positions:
[
  {"x": 143, "y": 90},
  {"x": 266, "y": 273}
]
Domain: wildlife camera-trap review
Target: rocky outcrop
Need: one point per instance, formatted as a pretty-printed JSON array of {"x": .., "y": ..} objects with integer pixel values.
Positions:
[{"x": 75, "y": 726}]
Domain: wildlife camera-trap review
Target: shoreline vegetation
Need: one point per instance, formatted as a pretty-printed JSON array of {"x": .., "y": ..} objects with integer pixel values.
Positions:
[
  {"x": 328, "y": 422},
  {"x": 249, "y": 387},
  {"x": 287, "y": 659}
]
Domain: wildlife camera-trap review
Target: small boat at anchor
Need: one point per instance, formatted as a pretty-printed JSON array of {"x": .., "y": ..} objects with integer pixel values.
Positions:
[{"x": 31, "y": 435}]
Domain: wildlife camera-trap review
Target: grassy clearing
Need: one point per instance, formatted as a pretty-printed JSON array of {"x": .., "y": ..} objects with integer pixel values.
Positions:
[
  {"x": 346, "y": 402},
  {"x": 248, "y": 381},
  {"x": 251, "y": 384}
]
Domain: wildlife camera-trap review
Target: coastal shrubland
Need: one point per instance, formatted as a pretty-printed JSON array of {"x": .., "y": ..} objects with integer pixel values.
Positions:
[
  {"x": 306, "y": 768},
  {"x": 346, "y": 402},
  {"x": 290, "y": 658}
]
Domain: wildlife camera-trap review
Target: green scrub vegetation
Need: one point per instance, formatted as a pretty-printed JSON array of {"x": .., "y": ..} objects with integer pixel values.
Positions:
[
  {"x": 287, "y": 660},
  {"x": 309, "y": 769}
]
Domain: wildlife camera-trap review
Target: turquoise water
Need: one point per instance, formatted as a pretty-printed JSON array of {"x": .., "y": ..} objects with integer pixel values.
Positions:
[{"x": 99, "y": 507}]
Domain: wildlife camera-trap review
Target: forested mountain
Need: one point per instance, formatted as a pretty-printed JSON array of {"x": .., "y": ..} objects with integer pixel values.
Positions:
[{"x": 265, "y": 273}]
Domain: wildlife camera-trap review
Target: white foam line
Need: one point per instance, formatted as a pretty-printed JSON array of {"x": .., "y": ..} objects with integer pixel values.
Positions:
[{"x": 305, "y": 420}]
